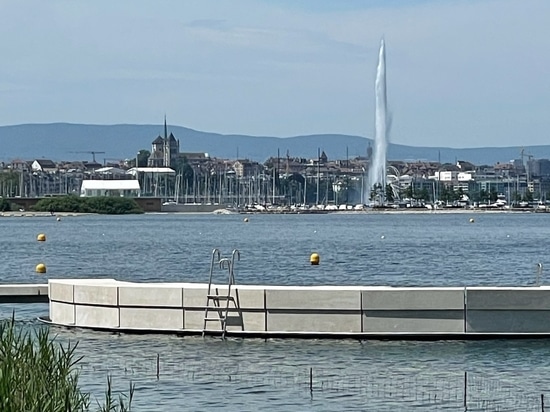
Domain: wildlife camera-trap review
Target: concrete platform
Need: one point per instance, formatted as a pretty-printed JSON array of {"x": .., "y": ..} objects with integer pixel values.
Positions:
[
  {"x": 24, "y": 293},
  {"x": 299, "y": 311}
]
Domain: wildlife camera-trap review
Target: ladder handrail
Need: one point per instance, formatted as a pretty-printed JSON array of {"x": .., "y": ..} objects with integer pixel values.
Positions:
[
  {"x": 238, "y": 255},
  {"x": 215, "y": 252},
  {"x": 224, "y": 264}
]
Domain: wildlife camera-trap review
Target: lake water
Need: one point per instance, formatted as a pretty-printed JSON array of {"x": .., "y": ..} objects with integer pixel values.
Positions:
[{"x": 398, "y": 249}]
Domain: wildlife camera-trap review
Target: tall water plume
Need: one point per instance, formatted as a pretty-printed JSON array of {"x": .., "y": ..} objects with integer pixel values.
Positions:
[{"x": 377, "y": 168}]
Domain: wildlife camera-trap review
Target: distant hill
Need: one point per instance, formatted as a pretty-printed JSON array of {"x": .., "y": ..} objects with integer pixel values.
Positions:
[{"x": 64, "y": 141}]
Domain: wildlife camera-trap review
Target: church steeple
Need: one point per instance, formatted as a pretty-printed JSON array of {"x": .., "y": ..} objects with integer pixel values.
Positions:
[{"x": 166, "y": 148}]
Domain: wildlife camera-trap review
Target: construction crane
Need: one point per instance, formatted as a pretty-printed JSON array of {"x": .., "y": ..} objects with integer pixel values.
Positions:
[
  {"x": 527, "y": 165},
  {"x": 287, "y": 171},
  {"x": 92, "y": 152},
  {"x": 522, "y": 153}
]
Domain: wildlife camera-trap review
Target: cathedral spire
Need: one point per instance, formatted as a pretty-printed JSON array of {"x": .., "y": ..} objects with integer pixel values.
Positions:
[{"x": 165, "y": 128}]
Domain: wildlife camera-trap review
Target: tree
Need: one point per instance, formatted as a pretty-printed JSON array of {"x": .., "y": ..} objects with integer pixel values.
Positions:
[
  {"x": 493, "y": 196},
  {"x": 389, "y": 193},
  {"x": 142, "y": 157},
  {"x": 409, "y": 191},
  {"x": 448, "y": 194},
  {"x": 423, "y": 194},
  {"x": 290, "y": 185},
  {"x": 9, "y": 183},
  {"x": 376, "y": 191},
  {"x": 182, "y": 167},
  {"x": 483, "y": 196},
  {"x": 5, "y": 205}
]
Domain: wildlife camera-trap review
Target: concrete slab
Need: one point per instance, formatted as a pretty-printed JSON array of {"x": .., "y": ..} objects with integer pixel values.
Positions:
[
  {"x": 508, "y": 321},
  {"x": 413, "y": 321},
  {"x": 24, "y": 293},
  {"x": 314, "y": 322},
  {"x": 62, "y": 313},
  {"x": 24, "y": 289},
  {"x": 148, "y": 295},
  {"x": 99, "y": 294},
  {"x": 194, "y": 297},
  {"x": 62, "y": 292},
  {"x": 312, "y": 299},
  {"x": 97, "y": 316},
  {"x": 153, "y": 319},
  {"x": 508, "y": 299},
  {"x": 414, "y": 299},
  {"x": 194, "y": 320},
  {"x": 251, "y": 321},
  {"x": 244, "y": 298}
]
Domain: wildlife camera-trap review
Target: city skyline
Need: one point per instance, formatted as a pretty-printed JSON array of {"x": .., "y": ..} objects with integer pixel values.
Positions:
[{"x": 460, "y": 74}]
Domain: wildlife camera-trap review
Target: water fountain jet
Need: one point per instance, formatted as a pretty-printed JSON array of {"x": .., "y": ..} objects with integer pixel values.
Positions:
[{"x": 377, "y": 167}]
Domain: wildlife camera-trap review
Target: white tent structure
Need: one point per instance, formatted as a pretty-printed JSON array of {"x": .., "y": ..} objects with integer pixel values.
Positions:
[
  {"x": 152, "y": 170},
  {"x": 110, "y": 171},
  {"x": 123, "y": 188}
]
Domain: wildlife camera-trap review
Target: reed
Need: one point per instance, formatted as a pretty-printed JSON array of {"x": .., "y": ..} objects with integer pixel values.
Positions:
[{"x": 38, "y": 374}]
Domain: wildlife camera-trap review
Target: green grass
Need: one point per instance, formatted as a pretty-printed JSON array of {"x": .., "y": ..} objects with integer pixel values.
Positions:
[{"x": 38, "y": 374}]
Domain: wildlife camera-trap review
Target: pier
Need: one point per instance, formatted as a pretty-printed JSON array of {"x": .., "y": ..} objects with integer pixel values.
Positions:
[
  {"x": 374, "y": 312},
  {"x": 371, "y": 312},
  {"x": 24, "y": 293}
]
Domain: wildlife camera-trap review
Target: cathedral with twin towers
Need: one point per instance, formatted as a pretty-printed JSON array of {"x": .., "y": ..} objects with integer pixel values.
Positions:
[{"x": 165, "y": 150}]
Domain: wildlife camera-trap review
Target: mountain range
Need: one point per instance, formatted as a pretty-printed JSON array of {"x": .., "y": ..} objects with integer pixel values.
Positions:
[{"x": 66, "y": 141}]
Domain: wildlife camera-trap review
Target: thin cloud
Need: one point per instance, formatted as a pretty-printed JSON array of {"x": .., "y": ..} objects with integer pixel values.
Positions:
[{"x": 460, "y": 74}]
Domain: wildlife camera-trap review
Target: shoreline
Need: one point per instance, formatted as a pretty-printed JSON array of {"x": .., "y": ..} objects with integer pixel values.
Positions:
[
  {"x": 303, "y": 212},
  {"x": 41, "y": 214}
]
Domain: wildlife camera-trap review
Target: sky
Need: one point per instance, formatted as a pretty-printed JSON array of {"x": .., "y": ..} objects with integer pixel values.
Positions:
[{"x": 460, "y": 73}]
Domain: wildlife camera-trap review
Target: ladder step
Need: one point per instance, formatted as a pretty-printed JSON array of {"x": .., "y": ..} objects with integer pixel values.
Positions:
[
  {"x": 213, "y": 331},
  {"x": 220, "y": 297}
]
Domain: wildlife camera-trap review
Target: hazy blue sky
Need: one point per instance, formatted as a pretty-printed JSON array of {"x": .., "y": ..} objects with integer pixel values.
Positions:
[{"x": 460, "y": 73}]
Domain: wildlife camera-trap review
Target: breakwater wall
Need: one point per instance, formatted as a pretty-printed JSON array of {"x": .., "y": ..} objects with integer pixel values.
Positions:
[
  {"x": 323, "y": 311},
  {"x": 191, "y": 208}
]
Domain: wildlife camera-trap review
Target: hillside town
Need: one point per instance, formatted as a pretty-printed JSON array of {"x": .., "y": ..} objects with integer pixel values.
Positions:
[{"x": 196, "y": 178}]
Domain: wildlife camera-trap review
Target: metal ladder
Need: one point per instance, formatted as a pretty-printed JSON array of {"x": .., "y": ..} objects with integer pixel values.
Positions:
[{"x": 214, "y": 300}]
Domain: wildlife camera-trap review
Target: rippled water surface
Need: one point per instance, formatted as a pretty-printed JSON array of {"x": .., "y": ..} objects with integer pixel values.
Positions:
[{"x": 357, "y": 249}]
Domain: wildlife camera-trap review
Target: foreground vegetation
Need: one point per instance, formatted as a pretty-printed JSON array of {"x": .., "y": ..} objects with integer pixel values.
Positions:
[
  {"x": 39, "y": 375},
  {"x": 7, "y": 206},
  {"x": 103, "y": 205}
]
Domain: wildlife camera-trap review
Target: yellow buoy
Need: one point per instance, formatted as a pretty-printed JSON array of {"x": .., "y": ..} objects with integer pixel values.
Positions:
[
  {"x": 314, "y": 259},
  {"x": 245, "y": 220},
  {"x": 41, "y": 237},
  {"x": 41, "y": 268},
  {"x": 472, "y": 220}
]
